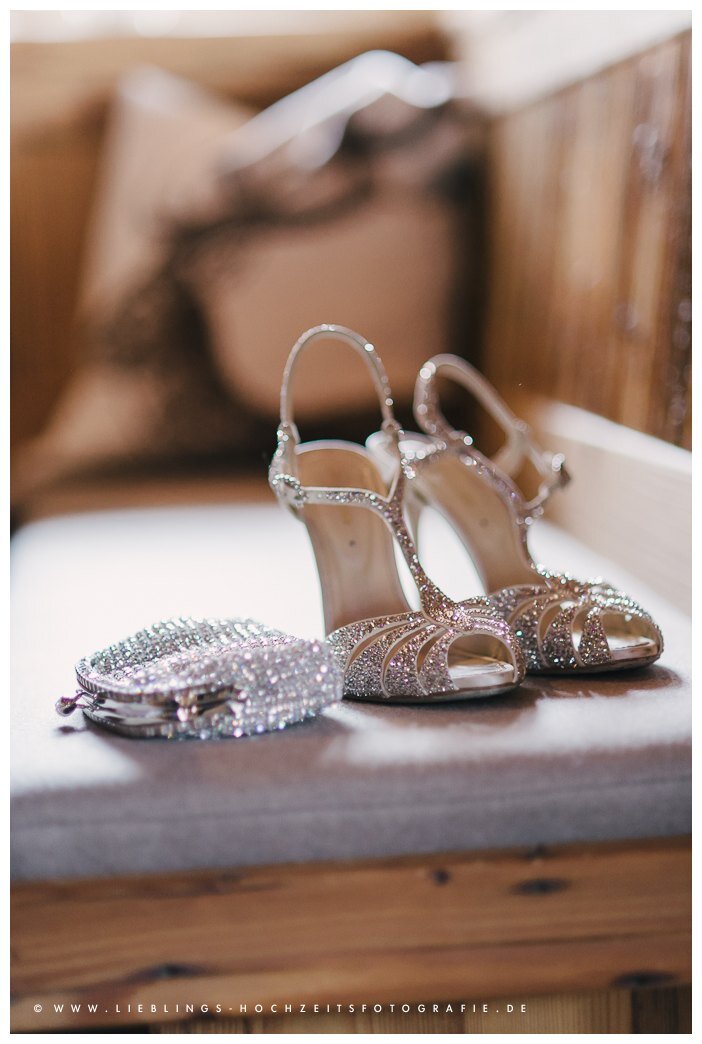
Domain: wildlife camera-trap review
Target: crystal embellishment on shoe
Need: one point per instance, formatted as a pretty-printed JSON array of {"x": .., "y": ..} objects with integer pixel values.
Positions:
[
  {"x": 575, "y": 638},
  {"x": 381, "y": 657},
  {"x": 205, "y": 679},
  {"x": 389, "y": 652},
  {"x": 562, "y": 624}
]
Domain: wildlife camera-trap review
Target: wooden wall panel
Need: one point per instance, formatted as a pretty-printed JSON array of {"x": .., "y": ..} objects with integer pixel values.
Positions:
[
  {"x": 590, "y": 236},
  {"x": 52, "y": 175}
]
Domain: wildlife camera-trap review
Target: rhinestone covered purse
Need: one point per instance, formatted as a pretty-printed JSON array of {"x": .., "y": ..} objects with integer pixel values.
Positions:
[{"x": 205, "y": 679}]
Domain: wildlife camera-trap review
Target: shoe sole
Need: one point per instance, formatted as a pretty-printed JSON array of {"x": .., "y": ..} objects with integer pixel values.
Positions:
[
  {"x": 462, "y": 696},
  {"x": 604, "y": 668}
]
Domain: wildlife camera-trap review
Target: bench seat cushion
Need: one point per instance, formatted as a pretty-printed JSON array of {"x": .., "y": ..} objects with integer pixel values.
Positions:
[{"x": 559, "y": 760}]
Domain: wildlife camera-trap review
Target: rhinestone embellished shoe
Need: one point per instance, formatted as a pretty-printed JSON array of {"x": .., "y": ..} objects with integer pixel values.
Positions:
[
  {"x": 563, "y": 624},
  {"x": 389, "y": 652}
]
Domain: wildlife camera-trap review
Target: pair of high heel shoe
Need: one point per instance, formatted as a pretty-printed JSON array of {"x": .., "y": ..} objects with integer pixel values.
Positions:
[{"x": 362, "y": 503}]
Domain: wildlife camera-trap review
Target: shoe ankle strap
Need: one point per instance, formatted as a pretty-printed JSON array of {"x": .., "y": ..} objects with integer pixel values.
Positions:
[
  {"x": 520, "y": 444},
  {"x": 283, "y": 472},
  {"x": 364, "y": 348}
]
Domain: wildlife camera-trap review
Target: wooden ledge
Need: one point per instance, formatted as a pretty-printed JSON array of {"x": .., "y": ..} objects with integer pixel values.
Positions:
[
  {"x": 631, "y": 498},
  {"x": 425, "y": 928}
]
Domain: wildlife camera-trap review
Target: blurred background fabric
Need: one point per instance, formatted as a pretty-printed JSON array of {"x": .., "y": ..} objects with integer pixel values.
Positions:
[
  {"x": 191, "y": 190},
  {"x": 218, "y": 236}
]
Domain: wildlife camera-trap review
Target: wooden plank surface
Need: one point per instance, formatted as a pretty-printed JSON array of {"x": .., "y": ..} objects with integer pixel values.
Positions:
[
  {"x": 664, "y": 1010},
  {"x": 487, "y": 924},
  {"x": 590, "y": 299},
  {"x": 604, "y": 1011}
]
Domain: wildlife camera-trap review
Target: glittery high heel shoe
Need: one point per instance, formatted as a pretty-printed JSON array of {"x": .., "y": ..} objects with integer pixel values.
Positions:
[
  {"x": 563, "y": 624},
  {"x": 389, "y": 651}
]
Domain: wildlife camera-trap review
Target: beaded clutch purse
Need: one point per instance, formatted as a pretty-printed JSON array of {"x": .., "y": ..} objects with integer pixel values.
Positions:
[{"x": 205, "y": 679}]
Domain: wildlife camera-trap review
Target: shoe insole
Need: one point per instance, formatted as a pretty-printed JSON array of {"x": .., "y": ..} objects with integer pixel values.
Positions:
[{"x": 355, "y": 556}]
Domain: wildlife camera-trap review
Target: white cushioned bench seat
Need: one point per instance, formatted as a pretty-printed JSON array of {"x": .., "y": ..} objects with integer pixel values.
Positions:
[{"x": 559, "y": 760}]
